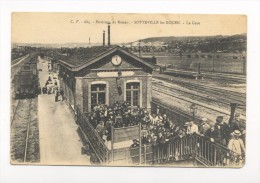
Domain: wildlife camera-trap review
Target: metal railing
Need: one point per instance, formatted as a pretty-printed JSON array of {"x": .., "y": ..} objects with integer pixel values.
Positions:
[
  {"x": 189, "y": 147},
  {"x": 130, "y": 156},
  {"x": 93, "y": 138},
  {"x": 215, "y": 154},
  {"x": 193, "y": 148},
  {"x": 199, "y": 148}
]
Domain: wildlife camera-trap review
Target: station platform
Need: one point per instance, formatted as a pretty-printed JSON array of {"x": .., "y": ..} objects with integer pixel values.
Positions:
[{"x": 59, "y": 141}]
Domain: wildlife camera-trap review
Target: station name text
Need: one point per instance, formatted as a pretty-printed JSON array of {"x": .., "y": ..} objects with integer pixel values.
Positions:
[{"x": 137, "y": 22}]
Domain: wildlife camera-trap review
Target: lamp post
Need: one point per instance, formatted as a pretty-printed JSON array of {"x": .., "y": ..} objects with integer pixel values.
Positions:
[{"x": 193, "y": 110}]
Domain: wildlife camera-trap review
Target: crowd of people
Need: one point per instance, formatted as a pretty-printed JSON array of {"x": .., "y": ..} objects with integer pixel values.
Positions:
[
  {"x": 53, "y": 88},
  {"x": 158, "y": 129}
]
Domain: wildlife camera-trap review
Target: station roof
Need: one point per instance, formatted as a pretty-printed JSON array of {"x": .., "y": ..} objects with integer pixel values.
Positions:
[{"x": 82, "y": 57}]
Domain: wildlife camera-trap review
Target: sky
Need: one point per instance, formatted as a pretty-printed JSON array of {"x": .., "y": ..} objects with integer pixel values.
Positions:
[{"x": 60, "y": 28}]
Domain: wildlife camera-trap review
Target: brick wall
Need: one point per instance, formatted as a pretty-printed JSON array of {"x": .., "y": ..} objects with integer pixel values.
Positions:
[
  {"x": 77, "y": 84},
  {"x": 145, "y": 90}
]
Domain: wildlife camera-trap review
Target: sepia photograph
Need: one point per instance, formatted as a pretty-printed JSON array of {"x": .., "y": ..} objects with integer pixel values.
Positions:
[{"x": 110, "y": 89}]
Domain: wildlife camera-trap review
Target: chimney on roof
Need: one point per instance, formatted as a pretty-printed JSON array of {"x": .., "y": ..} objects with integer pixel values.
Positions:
[
  {"x": 108, "y": 34},
  {"x": 104, "y": 32}
]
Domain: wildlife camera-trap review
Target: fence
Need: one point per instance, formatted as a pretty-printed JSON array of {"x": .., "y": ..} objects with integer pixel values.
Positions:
[
  {"x": 214, "y": 154},
  {"x": 199, "y": 148},
  {"x": 91, "y": 136},
  {"x": 189, "y": 147},
  {"x": 130, "y": 156}
]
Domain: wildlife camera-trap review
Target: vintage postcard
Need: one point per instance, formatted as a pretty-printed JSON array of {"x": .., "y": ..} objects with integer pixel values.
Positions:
[{"x": 128, "y": 89}]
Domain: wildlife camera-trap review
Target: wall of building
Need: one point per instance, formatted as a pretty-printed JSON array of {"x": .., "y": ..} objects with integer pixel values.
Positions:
[
  {"x": 77, "y": 84},
  {"x": 68, "y": 83},
  {"x": 113, "y": 94}
]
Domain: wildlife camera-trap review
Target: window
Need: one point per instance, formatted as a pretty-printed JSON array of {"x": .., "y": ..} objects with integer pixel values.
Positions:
[
  {"x": 98, "y": 94},
  {"x": 133, "y": 93}
]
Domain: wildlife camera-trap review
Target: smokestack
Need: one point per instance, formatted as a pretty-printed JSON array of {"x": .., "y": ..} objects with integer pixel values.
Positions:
[
  {"x": 104, "y": 32},
  {"x": 108, "y": 35}
]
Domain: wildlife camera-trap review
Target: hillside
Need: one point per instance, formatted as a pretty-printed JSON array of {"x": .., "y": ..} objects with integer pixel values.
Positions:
[
  {"x": 220, "y": 43},
  {"x": 193, "y": 38}
]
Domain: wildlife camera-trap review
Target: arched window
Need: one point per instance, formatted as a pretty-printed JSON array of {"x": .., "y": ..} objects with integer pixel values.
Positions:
[
  {"x": 133, "y": 93},
  {"x": 98, "y": 94}
]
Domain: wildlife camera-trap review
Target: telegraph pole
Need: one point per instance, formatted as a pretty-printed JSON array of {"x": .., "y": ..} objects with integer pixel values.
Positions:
[
  {"x": 139, "y": 50},
  {"x": 213, "y": 61}
]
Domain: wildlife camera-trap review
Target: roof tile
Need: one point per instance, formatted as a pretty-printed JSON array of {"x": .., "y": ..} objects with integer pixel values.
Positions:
[{"x": 78, "y": 56}]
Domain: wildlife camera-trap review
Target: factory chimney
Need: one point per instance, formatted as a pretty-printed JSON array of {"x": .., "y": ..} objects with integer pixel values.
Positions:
[
  {"x": 104, "y": 32},
  {"x": 108, "y": 35}
]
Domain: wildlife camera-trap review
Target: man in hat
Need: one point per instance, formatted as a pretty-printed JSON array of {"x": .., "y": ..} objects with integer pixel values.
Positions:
[
  {"x": 93, "y": 119},
  {"x": 192, "y": 128},
  {"x": 240, "y": 122},
  {"x": 237, "y": 145},
  {"x": 204, "y": 126},
  {"x": 118, "y": 121},
  {"x": 135, "y": 143},
  {"x": 233, "y": 126},
  {"x": 161, "y": 144},
  {"x": 153, "y": 119},
  {"x": 243, "y": 133},
  {"x": 213, "y": 134},
  {"x": 133, "y": 149},
  {"x": 62, "y": 93},
  {"x": 100, "y": 129},
  {"x": 135, "y": 116},
  {"x": 126, "y": 118},
  {"x": 109, "y": 125},
  {"x": 144, "y": 138},
  {"x": 161, "y": 138},
  {"x": 175, "y": 128},
  {"x": 158, "y": 119},
  {"x": 147, "y": 120},
  {"x": 181, "y": 133},
  {"x": 224, "y": 130}
]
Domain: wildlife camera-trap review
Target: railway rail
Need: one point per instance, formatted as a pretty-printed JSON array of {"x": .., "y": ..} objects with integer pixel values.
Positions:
[
  {"x": 18, "y": 60},
  {"x": 160, "y": 90},
  {"x": 225, "y": 76},
  {"x": 232, "y": 95},
  {"x": 222, "y": 99},
  {"x": 14, "y": 110},
  {"x": 20, "y": 129},
  {"x": 23, "y": 134}
]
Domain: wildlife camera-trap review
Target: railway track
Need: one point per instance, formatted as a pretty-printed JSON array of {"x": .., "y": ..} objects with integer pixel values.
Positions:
[
  {"x": 224, "y": 76},
  {"x": 23, "y": 136},
  {"x": 210, "y": 97},
  {"x": 241, "y": 78},
  {"x": 231, "y": 95},
  {"x": 14, "y": 111},
  {"x": 18, "y": 60},
  {"x": 169, "y": 93}
]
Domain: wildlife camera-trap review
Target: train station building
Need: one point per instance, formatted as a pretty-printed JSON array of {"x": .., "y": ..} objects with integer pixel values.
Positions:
[{"x": 105, "y": 75}]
